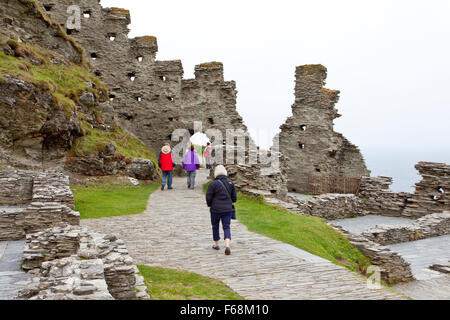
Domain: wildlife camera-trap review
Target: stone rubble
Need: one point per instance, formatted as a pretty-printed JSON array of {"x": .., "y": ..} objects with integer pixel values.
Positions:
[
  {"x": 68, "y": 279},
  {"x": 433, "y": 225},
  {"x": 443, "y": 268},
  {"x": 64, "y": 241}
]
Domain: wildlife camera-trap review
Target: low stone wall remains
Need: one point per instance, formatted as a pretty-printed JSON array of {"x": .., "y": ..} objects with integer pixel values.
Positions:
[
  {"x": 429, "y": 197},
  {"x": 64, "y": 241},
  {"x": 330, "y": 206},
  {"x": 37, "y": 201},
  {"x": 433, "y": 225},
  {"x": 393, "y": 268}
]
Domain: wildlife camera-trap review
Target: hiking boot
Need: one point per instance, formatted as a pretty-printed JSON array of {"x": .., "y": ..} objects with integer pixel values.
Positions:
[
  {"x": 227, "y": 251},
  {"x": 170, "y": 188},
  {"x": 162, "y": 187},
  {"x": 216, "y": 248}
]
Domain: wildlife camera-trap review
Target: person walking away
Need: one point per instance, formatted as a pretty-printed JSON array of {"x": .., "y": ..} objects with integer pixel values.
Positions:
[
  {"x": 166, "y": 164},
  {"x": 207, "y": 155},
  {"x": 220, "y": 197},
  {"x": 191, "y": 163}
]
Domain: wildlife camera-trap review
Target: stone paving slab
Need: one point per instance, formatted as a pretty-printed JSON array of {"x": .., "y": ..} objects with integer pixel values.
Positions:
[
  {"x": 175, "y": 232},
  {"x": 424, "y": 253},
  {"x": 12, "y": 278}
]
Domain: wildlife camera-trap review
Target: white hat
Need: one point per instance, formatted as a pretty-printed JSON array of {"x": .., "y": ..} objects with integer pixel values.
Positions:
[{"x": 220, "y": 171}]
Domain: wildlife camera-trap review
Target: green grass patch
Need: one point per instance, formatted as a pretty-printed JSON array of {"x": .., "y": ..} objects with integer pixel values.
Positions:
[
  {"x": 311, "y": 234},
  {"x": 168, "y": 284},
  {"x": 308, "y": 233},
  {"x": 64, "y": 82},
  {"x": 95, "y": 140},
  {"x": 110, "y": 200}
]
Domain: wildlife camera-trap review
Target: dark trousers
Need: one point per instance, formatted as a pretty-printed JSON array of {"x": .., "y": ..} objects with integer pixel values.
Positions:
[{"x": 226, "y": 222}]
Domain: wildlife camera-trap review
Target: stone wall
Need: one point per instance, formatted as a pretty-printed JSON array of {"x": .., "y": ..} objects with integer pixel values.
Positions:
[
  {"x": 329, "y": 206},
  {"x": 44, "y": 199},
  {"x": 308, "y": 138},
  {"x": 429, "y": 196},
  {"x": 433, "y": 225},
  {"x": 65, "y": 241},
  {"x": 151, "y": 99},
  {"x": 393, "y": 267},
  {"x": 16, "y": 187},
  {"x": 68, "y": 279}
]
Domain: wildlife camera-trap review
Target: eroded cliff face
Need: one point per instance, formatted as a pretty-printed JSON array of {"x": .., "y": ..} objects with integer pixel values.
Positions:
[
  {"x": 150, "y": 97},
  {"x": 54, "y": 111},
  {"x": 314, "y": 149}
]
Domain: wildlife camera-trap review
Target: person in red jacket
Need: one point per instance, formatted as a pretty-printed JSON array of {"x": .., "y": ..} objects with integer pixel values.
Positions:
[
  {"x": 207, "y": 155},
  {"x": 166, "y": 163}
]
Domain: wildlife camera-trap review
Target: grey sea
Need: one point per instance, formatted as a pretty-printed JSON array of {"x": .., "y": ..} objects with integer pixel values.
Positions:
[{"x": 399, "y": 163}]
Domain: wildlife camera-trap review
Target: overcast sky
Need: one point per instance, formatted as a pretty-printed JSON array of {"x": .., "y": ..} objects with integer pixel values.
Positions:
[{"x": 389, "y": 58}]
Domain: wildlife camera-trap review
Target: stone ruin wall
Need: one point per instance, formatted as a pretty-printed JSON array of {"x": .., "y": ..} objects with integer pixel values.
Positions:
[
  {"x": 429, "y": 197},
  {"x": 308, "y": 138},
  {"x": 33, "y": 201},
  {"x": 158, "y": 100},
  {"x": 150, "y": 98}
]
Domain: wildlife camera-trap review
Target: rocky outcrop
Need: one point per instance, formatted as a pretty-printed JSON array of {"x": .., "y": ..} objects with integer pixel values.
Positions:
[
  {"x": 329, "y": 206},
  {"x": 28, "y": 139},
  {"x": 429, "y": 196},
  {"x": 433, "y": 225},
  {"x": 308, "y": 139},
  {"x": 142, "y": 169},
  {"x": 65, "y": 241}
]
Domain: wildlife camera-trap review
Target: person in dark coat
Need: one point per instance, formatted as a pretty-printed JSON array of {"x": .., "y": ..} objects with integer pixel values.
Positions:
[
  {"x": 220, "y": 197},
  {"x": 166, "y": 163}
]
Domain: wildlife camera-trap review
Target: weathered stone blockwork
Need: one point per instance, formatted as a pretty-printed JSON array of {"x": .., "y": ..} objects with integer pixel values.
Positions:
[
  {"x": 393, "y": 267},
  {"x": 45, "y": 199},
  {"x": 330, "y": 206},
  {"x": 64, "y": 241},
  {"x": 429, "y": 197},
  {"x": 433, "y": 225},
  {"x": 68, "y": 279},
  {"x": 308, "y": 138},
  {"x": 151, "y": 99}
]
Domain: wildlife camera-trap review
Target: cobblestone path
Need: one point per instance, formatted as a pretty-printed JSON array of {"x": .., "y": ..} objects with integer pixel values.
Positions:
[
  {"x": 175, "y": 232},
  {"x": 12, "y": 279}
]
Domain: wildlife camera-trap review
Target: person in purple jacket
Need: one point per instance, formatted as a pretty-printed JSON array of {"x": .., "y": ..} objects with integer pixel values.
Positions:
[{"x": 191, "y": 163}]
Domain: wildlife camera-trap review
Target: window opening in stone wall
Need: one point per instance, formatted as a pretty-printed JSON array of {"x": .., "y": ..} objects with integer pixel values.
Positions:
[
  {"x": 112, "y": 97},
  {"x": 138, "y": 99},
  {"x": 434, "y": 198},
  {"x": 441, "y": 190},
  {"x": 112, "y": 36},
  {"x": 48, "y": 7},
  {"x": 171, "y": 99},
  {"x": 303, "y": 127},
  {"x": 318, "y": 170},
  {"x": 97, "y": 73},
  {"x": 140, "y": 59},
  {"x": 301, "y": 145},
  {"x": 94, "y": 56},
  {"x": 210, "y": 120},
  {"x": 163, "y": 78},
  {"x": 132, "y": 76},
  {"x": 87, "y": 14}
]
